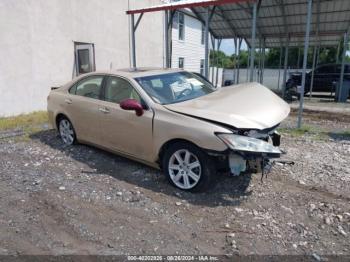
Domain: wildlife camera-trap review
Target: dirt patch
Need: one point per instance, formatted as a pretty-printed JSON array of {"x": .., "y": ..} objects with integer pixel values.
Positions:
[
  {"x": 56, "y": 199},
  {"x": 322, "y": 116}
]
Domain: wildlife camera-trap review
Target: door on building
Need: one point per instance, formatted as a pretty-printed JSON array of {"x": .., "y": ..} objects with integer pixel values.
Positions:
[{"x": 84, "y": 58}]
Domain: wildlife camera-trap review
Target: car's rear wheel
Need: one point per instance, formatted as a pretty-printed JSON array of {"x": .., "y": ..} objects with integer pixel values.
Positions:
[
  {"x": 187, "y": 167},
  {"x": 66, "y": 130}
]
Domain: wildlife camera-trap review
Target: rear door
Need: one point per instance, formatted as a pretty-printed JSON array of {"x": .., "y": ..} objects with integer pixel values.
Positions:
[
  {"x": 323, "y": 79},
  {"x": 122, "y": 130},
  {"x": 317, "y": 79},
  {"x": 331, "y": 79},
  {"x": 82, "y": 107}
]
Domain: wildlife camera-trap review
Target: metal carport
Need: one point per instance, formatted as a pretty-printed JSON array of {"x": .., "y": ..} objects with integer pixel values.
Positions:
[{"x": 263, "y": 24}]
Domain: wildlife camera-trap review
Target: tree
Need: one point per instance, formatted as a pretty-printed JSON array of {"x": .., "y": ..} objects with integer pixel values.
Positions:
[
  {"x": 272, "y": 57},
  {"x": 220, "y": 59}
]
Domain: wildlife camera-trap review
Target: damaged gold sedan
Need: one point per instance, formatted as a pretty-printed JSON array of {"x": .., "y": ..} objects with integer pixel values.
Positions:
[{"x": 173, "y": 120}]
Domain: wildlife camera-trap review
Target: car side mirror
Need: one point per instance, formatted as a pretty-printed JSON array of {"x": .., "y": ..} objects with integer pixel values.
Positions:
[{"x": 132, "y": 104}]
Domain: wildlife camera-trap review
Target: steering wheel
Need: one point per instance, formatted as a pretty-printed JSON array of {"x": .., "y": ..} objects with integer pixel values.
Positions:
[{"x": 185, "y": 92}]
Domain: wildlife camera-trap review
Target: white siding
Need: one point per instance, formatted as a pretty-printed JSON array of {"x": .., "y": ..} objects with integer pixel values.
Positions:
[
  {"x": 37, "y": 44},
  {"x": 191, "y": 48}
]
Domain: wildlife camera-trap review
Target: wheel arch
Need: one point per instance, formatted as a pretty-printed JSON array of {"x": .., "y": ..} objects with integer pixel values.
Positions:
[
  {"x": 58, "y": 117},
  {"x": 171, "y": 142}
]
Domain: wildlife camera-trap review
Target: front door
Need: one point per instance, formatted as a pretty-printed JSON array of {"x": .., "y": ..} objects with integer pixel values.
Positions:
[{"x": 123, "y": 130}]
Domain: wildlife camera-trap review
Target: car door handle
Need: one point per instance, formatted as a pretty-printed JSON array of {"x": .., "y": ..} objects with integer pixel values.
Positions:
[
  {"x": 104, "y": 110},
  {"x": 68, "y": 101}
]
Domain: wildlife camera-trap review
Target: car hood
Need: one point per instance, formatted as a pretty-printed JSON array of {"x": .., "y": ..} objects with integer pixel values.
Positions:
[{"x": 245, "y": 106}]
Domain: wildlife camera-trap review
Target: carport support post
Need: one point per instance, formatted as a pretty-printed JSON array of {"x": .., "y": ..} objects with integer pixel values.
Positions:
[
  {"x": 248, "y": 64},
  {"x": 298, "y": 60},
  {"x": 286, "y": 52},
  {"x": 263, "y": 62},
  {"x": 306, "y": 47},
  {"x": 166, "y": 38},
  {"x": 252, "y": 48},
  {"x": 217, "y": 64},
  {"x": 259, "y": 62},
  {"x": 213, "y": 43},
  {"x": 338, "y": 52},
  {"x": 133, "y": 47},
  {"x": 206, "y": 42},
  {"x": 279, "y": 67},
  {"x": 238, "y": 59},
  {"x": 234, "y": 70},
  {"x": 313, "y": 71},
  {"x": 345, "y": 46}
]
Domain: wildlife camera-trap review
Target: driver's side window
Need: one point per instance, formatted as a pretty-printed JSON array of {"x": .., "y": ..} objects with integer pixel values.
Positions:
[{"x": 118, "y": 89}]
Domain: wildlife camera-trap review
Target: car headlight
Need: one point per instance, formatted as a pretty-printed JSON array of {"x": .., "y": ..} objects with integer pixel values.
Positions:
[{"x": 249, "y": 144}]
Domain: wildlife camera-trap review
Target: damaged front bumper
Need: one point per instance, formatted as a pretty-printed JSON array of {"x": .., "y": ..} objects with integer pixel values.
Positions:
[{"x": 239, "y": 161}]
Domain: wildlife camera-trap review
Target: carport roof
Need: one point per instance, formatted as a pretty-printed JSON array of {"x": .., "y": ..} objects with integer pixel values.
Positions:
[{"x": 277, "y": 19}]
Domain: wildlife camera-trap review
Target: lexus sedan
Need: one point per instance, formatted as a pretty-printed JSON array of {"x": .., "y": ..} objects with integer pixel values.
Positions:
[{"x": 172, "y": 120}]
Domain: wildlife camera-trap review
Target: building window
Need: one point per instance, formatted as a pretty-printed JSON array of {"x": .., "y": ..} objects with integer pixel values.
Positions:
[
  {"x": 202, "y": 67},
  {"x": 175, "y": 20},
  {"x": 181, "y": 26},
  {"x": 181, "y": 62},
  {"x": 202, "y": 35},
  {"x": 84, "y": 58}
]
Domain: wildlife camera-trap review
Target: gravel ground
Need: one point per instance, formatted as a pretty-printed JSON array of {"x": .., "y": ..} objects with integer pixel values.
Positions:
[{"x": 56, "y": 199}]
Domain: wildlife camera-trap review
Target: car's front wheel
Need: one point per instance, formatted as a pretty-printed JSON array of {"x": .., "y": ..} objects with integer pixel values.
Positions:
[
  {"x": 188, "y": 167},
  {"x": 66, "y": 130}
]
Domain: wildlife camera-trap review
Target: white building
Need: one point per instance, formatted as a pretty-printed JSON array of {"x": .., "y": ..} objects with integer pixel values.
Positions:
[
  {"x": 46, "y": 43},
  {"x": 188, "y": 49},
  {"x": 187, "y": 42}
]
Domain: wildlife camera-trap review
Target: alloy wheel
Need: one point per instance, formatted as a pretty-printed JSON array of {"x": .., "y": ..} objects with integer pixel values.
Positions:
[
  {"x": 184, "y": 169},
  {"x": 66, "y": 132}
]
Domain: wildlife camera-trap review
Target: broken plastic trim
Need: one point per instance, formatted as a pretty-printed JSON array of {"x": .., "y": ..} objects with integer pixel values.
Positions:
[{"x": 248, "y": 144}]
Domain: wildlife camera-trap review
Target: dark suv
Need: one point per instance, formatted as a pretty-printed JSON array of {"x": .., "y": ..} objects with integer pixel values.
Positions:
[{"x": 325, "y": 79}]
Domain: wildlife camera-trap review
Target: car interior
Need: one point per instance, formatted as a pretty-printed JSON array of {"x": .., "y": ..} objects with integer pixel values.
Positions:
[
  {"x": 89, "y": 90},
  {"x": 118, "y": 90}
]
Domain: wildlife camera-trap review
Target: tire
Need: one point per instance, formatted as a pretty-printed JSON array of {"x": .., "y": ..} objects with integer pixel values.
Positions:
[
  {"x": 188, "y": 168},
  {"x": 288, "y": 96},
  {"x": 67, "y": 132}
]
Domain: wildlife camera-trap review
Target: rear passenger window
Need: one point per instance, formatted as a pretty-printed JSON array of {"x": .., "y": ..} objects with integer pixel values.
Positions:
[
  {"x": 88, "y": 87},
  {"x": 338, "y": 69},
  {"x": 325, "y": 70},
  {"x": 347, "y": 69}
]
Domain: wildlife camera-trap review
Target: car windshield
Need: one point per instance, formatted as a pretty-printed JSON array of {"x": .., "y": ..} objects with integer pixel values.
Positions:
[{"x": 175, "y": 87}]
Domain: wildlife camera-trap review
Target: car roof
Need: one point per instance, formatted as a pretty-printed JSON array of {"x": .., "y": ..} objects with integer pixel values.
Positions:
[
  {"x": 333, "y": 64},
  {"x": 138, "y": 72}
]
